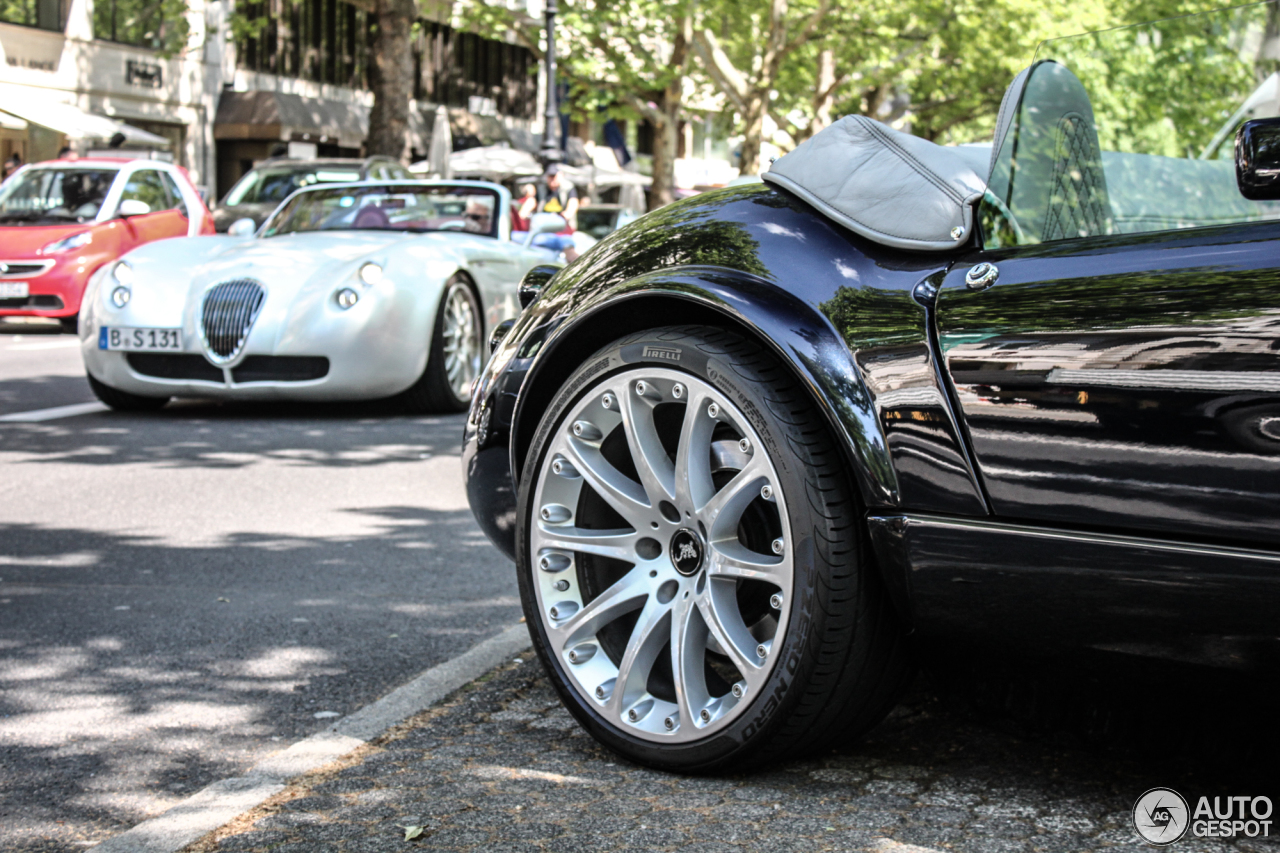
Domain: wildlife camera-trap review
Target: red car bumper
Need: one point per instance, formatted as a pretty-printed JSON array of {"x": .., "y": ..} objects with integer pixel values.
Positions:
[{"x": 55, "y": 292}]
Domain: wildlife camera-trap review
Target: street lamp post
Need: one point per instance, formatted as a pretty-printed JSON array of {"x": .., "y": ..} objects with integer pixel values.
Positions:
[{"x": 551, "y": 152}]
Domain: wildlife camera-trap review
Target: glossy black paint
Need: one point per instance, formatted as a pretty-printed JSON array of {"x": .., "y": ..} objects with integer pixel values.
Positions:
[
  {"x": 1127, "y": 383},
  {"x": 1011, "y": 587},
  {"x": 1257, "y": 156},
  {"x": 841, "y": 311}
]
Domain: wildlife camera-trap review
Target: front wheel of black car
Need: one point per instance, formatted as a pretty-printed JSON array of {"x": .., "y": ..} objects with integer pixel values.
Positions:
[{"x": 692, "y": 563}]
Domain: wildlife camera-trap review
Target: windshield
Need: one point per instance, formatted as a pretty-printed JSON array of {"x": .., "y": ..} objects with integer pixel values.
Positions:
[
  {"x": 273, "y": 184},
  {"x": 62, "y": 195},
  {"x": 389, "y": 207},
  {"x": 1132, "y": 130}
]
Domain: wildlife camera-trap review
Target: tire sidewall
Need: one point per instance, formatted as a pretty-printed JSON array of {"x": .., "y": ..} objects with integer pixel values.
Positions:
[{"x": 772, "y": 704}]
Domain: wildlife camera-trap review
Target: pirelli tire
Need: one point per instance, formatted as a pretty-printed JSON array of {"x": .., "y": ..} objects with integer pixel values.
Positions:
[{"x": 692, "y": 562}]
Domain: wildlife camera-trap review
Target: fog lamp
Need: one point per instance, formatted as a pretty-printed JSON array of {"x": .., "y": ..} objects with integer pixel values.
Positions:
[
  {"x": 347, "y": 297},
  {"x": 120, "y": 296},
  {"x": 370, "y": 274}
]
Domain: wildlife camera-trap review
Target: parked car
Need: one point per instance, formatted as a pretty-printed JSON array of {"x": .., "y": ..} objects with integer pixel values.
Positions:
[
  {"x": 348, "y": 292},
  {"x": 601, "y": 220},
  {"x": 263, "y": 187},
  {"x": 760, "y": 453},
  {"x": 62, "y": 220}
]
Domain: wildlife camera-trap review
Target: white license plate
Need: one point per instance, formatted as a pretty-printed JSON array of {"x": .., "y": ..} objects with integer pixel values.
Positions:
[
  {"x": 14, "y": 290},
  {"x": 139, "y": 340}
]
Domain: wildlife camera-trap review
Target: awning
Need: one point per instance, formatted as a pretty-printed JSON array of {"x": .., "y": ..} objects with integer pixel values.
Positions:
[
  {"x": 75, "y": 123},
  {"x": 278, "y": 115}
]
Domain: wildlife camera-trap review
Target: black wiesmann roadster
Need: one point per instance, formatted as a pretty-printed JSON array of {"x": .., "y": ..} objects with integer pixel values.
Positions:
[{"x": 755, "y": 451}]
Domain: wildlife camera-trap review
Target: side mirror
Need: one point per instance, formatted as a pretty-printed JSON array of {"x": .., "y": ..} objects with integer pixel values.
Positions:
[
  {"x": 242, "y": 228},
  {"x": 499, "y": 332},
  {"x": 1258, "y": 159},
  {"x": 533, "y": 282},
  {"x": 133, "y": 207},
  {"x": 544, "y": 223}
]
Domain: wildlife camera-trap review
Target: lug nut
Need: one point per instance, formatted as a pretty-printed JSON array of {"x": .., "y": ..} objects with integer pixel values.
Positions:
[
  {"x": 762, "y": 651},
  {"x": 745, "y": 445},
  {"x": 563, "y": 468},
  {"x": 778, "y": 545},
  {"x": 705, "y": 715},
  {"x": 587, "y": 431},
  {"x": 607, "y": 401},
  {"x": 604, "y": 691},
  {"x": 581, "y": 654},
  {"x": 561, "y": 585},
  {"x": 555, "y": 513},
  {"x": 775, "y": 601},
  {"x": 563, "y": 610},
  {"x": 553, "y": 561},
  {"x": 713, "y": 410},
  {"x": 640, "y": 711},
  {"x": 670, "y": 723},
  {"x": 766, "y": 492},
  {"x": 677, "y": 391},
  {"x": 641, "y": 388},
  {"x": 739, "y": 691}
]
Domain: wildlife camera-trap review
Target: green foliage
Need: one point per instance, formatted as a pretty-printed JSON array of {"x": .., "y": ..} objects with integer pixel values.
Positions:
[{"x": 158, "y": 24}]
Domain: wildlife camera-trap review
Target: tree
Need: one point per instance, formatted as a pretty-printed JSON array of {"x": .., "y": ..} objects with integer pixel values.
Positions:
[
  {"x": 391, "y": 78},
  {"x": 629, "y": 59},
  {"x": 746, "y": 65}
]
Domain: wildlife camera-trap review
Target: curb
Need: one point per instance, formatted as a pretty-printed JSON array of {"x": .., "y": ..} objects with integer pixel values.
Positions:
[{"x": 223, "y": 801}]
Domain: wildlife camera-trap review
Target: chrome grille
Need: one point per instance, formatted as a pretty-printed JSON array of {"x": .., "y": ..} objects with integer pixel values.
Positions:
[{"x": 227, "y": 314}]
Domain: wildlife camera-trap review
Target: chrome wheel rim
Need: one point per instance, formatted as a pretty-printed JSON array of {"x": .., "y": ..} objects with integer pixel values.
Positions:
[
  {"x": 663, "y": 595},
  {"x": 462, "y": 360}
]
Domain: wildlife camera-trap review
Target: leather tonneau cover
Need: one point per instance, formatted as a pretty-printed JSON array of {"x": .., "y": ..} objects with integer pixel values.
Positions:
[{"x": 888, "y": 186}]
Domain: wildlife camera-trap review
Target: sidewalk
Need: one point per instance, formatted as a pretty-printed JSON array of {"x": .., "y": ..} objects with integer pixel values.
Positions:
[{"x": 500, "y": 766}]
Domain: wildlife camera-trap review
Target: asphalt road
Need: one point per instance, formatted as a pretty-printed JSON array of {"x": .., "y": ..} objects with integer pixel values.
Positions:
[{"x": 185, "y": 592}]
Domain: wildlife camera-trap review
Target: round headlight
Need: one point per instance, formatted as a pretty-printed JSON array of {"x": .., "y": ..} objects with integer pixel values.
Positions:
[
  {"x": 120, "y": 296},
  {"x": 122, "y": 273},
  {"x": 347, "y": 297},
  {"x": 370, "y": 273}
]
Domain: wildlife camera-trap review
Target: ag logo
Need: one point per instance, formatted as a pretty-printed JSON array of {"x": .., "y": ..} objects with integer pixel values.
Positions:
[{"x": 1160, "y": 816}]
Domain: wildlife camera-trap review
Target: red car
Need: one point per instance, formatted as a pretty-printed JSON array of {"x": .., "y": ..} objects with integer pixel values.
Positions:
[{"x": 62, "y": 219}]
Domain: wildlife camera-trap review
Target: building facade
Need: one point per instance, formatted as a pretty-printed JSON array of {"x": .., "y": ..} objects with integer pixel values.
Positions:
[{"x": 227, "y": 90}]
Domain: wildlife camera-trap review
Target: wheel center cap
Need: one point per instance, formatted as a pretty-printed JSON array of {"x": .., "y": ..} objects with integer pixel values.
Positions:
[{"x": 686, "y": 552}]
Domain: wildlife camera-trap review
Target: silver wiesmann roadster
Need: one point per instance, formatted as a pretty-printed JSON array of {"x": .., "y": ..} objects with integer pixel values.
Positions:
[{"x": 347, "y": 292}]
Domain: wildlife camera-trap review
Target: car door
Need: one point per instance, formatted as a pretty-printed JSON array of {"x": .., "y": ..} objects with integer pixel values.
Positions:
[
  {"x": 147, "y": 186},
  {"x": 1115, "y": 349},
  {"x": 180, "y": 221}
]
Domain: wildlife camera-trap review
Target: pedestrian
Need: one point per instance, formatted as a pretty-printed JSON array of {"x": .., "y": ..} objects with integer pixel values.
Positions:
[
  {"x": 524, "y": 207},
  {"x": 559, "y": 196},
  {"x": 12, "y": 165}
]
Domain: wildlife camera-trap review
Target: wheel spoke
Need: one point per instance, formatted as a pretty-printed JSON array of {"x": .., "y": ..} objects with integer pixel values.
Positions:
[
  {"x": 617, "y": 544},
  {"x": 627, "y": 594},
  {"x": 625, "y": 495},
  {"x": 643, "y": 647},
  {"x": 719, "y": 609},
  {"x": 693, "y": 482},
  {"x": 730, "y": 559},
  {"x": 688, "y": 660},
  {"x": 656, "y": 470},
  {"x": 724, "y": 509}
]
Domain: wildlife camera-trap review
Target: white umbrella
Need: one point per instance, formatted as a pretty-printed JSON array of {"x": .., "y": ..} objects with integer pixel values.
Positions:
[{"x": 441, "y": 146}]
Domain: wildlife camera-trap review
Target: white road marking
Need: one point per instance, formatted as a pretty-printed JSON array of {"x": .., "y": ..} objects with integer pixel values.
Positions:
[
  {"x": 65, "y": 343},
  {"x": 53, "y": 414}
]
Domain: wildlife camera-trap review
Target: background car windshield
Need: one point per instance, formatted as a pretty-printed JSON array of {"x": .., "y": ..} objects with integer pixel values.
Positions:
[
  {"x": 273, "y": 185},
  {"x": 66, "y": 194},
  {"x": 1132, "y": 130},
  {"x": 389, "y": 208}
]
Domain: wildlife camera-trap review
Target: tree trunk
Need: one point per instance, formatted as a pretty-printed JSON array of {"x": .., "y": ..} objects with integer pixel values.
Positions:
[
  {"x": 824, "y": 95},
  {"x": 753, "y": 135},
  {"x": 666, "y": 142},
  {"x": 391, "y": 78}
]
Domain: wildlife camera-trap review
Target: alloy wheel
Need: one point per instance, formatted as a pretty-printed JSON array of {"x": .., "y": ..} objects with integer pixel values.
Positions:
[
  {"x": 661, "y": 554},
  {"x": 462, "y": 358}
]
